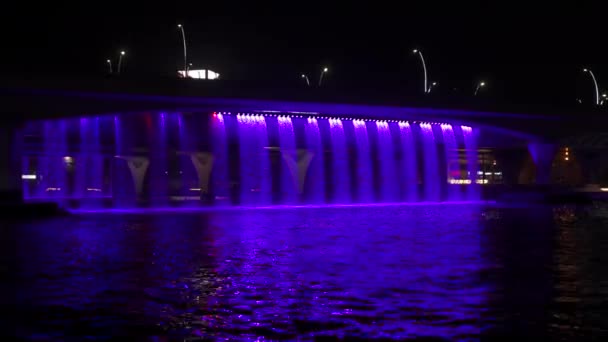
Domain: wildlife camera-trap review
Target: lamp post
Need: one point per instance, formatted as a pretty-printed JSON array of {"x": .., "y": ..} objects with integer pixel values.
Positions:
[
  {"x": 431, "y": 86},
  {"x": 109, "y": 61},
  {"x": 597, "y": 91},
  {"x": 416, "y": 51},
  {"x": 181, "y": 28},
  {"x": 122, "y": 53},
  {"x": 322, "y": 73},
  {"x": 604, "y": 95},
  {"x": 479, "y": 86},
  {"x": 306, "y": 78}
]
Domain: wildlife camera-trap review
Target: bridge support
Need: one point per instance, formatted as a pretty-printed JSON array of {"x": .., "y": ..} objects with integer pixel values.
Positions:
[
  {"x": 543, "y": 155},
  {"x": 203, "y": 163},
  {"x": 10, "y": 164},
  {"x": 138, "y": 166},
  {"x": 298, "y": 164}
]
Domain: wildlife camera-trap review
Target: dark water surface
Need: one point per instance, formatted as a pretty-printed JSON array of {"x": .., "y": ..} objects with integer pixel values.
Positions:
[{"x": 453, "y": 272}]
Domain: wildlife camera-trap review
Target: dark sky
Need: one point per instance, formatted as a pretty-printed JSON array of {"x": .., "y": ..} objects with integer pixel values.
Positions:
[{"x": 524, "y": 52}]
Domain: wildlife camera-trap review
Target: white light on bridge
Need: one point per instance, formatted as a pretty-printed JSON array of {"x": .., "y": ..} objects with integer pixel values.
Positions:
[
  {"x": 28, "y": 177},
  {"x": 201, "y": 74}
]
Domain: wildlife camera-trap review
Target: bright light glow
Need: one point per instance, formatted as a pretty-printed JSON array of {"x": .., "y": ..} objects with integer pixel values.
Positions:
[
  {"x": 415, "y": 51},
  {"x": 29, "y": 177},
  {"x": 466, "y": 181},
  {"x": 303, "y": 76},
  {"x": 122, "y": 53},
  {"x": 434, "y": 83},
  {"x": 179, "y": 25},
  {"x": 585, "y": 70},
  {"x": 94, "y": 189},
  {"x": 195, "y": 189},
  {"x": 603, "y": 189},
  {"x": 201, "y": 74},
  {"x": 482, "y": 84},
  {"x": 604, "y": 95},
  {"x": 325, "y": 70},
  {"x": 67, "y": 159},
  {"x": 107, "y": 60},
  {"x": 53, "y": 189}
]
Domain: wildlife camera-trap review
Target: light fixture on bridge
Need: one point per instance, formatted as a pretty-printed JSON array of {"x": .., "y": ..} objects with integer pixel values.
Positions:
[{"x": 427, "y": 89}]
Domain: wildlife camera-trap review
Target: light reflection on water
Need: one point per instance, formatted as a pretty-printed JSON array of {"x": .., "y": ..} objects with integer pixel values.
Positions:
[{"x": 453, "y": 272}]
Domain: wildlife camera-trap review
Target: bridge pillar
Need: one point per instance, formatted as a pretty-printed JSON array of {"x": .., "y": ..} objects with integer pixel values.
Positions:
[
  {"x": 298, "y": 164},
  {"x": 510, "y": 163},
  {"x": 203, "y": 163},
  {"x": 543, "y": 155},
  {"x": 10, "y": 164},
  {"x": 138, "y": 166}
]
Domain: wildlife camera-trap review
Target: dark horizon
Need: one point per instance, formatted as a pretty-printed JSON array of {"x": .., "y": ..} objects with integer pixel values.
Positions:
[{"x": 525, "y": 55}]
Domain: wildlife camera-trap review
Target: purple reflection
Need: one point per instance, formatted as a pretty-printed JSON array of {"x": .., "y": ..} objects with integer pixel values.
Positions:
[{"x": 365, "y": 181}]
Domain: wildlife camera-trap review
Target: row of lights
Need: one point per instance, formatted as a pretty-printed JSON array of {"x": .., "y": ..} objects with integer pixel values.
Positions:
[{"x": 313, "y": 117}]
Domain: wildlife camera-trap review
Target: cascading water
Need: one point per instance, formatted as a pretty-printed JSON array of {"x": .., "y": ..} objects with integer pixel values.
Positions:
[
  {"x": 289, "y": 168},
  {"x": 55, "y": 162},
  {"x": 159, "y": 170},
  {"x": 256, "y": 187},
  {"x": 219, "y": 143},
  {"x": 89, "y": 161},
  {"x": 401, "y": 159},
  {"x": 451, "y": 147},
  {"x": 364, "y": 172},
  {"x": 431, "y": 165},
  {"x": 316, "y": 174},
  {"x": 470, "y": 145},
  {"x": 341, "y": 174},
  {"x": 409, "y": 164},
  {"x": 388, "y": 168}
]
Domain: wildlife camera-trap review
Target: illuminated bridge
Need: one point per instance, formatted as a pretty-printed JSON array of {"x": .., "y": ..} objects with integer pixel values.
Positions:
[{"x": 123, "y": 142}]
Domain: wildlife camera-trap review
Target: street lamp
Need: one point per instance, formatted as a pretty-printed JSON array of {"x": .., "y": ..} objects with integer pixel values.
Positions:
[
  {"x": 479, "y": 86},
  {"x": 597, "y": 91},
  {"x": 604, "y": 95},
  {"x": 322, "y": 73},
  {"x": 431, "y": 86},
  {"x": 181, "y": 28},
  {"x": 109, "y": 64},
  {"x": 122, "y": 53},
  {"x": 306, "y": 78},
  {"x": 416, "y": 51}
]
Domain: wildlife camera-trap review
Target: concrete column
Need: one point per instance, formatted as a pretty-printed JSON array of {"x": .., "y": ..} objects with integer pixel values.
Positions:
[
  {"x": 543, "y": 155},
  {"x": 139, "y": 167},
  {"x": 10, "y": 164},
  {"x": 203, "y": 163},
  {"x": 298, "y": 164}
]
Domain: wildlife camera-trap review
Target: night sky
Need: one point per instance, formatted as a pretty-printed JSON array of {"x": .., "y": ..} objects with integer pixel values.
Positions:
[{"x": 526, "y": 54}]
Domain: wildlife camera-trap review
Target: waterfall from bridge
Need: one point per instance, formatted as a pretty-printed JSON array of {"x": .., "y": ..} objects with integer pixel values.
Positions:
[
  {"x": 340, "y": 170},
  {"x": 254, "y": 160},
  {"x": 177, "y": 159},
  {"x": 388, "y": 166},
  {"x": 432, "y": 191},
  {"x": 449, "y": 142},
  {"x": 316, "y": 190},
  {"x": 364, "y": 164},
  {"x": 289, "y": 168}
]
